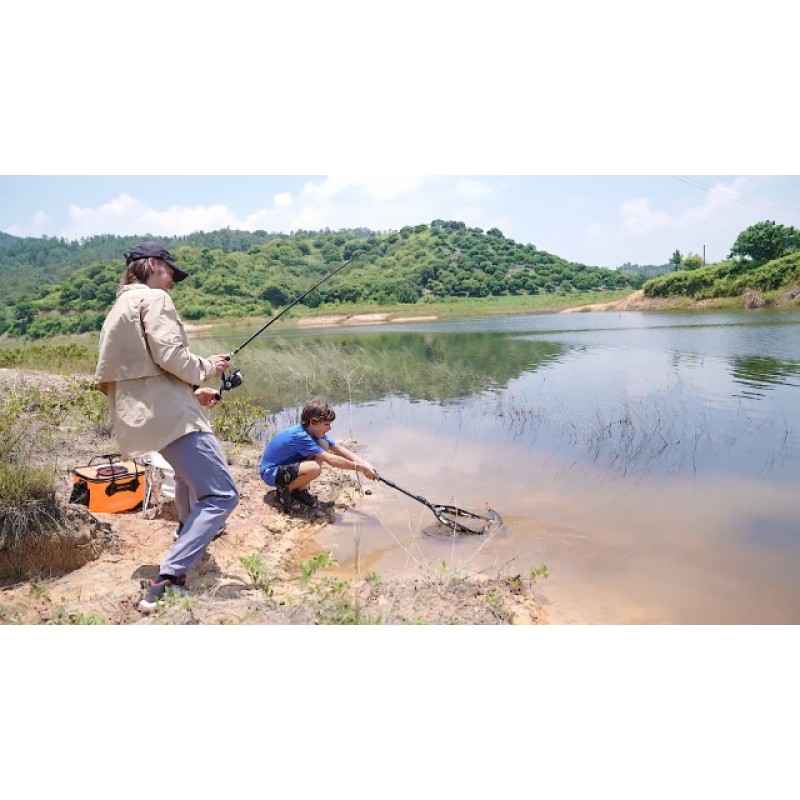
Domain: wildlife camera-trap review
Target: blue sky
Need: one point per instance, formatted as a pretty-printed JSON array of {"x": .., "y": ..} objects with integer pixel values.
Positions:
[{"x": 598, "y": 220}]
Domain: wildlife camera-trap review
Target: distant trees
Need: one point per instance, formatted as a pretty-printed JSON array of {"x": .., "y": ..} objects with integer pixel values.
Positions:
[
  {"x": 691, "y": 261},
  {"x": 765, "y": 257},
  {"x": 446, "y": 259},
  {"x": 765, "y": 241}
]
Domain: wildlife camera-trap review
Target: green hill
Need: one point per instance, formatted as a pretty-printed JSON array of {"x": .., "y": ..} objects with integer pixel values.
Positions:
[
  {"x": 63, "y": 287},
  {"x": 728, "y": 278}
]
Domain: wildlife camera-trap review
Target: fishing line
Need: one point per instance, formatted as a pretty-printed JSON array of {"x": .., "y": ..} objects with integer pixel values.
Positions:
[{"x": 234, "y": 379}]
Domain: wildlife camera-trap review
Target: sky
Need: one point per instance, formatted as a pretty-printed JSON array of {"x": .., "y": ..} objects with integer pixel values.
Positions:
[{"x": 597, "y": 220}]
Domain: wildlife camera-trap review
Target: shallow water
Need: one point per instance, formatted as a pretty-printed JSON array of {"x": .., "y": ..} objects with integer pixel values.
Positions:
[{"x": 650, "y": 460}]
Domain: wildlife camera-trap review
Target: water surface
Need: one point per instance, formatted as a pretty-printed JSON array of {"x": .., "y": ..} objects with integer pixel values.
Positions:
[{"x": 650, "y": 460}]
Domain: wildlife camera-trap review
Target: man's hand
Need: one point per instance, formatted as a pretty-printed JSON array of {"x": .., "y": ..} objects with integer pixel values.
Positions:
[
  {"x": 221, "y": 363},
  {"x": 207, "y": 397}
]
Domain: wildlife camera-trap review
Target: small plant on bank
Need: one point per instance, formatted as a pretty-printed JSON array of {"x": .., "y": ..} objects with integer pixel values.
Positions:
[
  {"x": 330, "y": 599},
  {"x": 333, "y": 605},
  {"x": 446, "y": 576},
  {"x": 257, "y": 573},
  {"x": 63, "y": 616},
  {"x": 173, "y": 605},
  {"x": 539, "y": 572},
  {"x": 492, "y": 597},
  {"x": 39, "y": 591},
  {"x": 315, "y": 563}
]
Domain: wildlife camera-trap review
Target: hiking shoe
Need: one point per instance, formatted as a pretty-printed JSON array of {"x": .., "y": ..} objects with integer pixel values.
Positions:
[
  {"x": 155, "y": 590},
  {"x": 287, "y": 501},
  {"x": 306, "y": 498}
]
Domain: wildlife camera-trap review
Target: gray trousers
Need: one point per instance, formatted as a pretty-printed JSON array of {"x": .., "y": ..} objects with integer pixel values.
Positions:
[{"x": 205, "y": 495}]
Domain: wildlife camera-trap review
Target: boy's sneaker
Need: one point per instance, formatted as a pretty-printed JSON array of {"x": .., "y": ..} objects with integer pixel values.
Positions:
[
  {"x": 287, "y": 501},
  {"x": 306, "y": 498},
  {"x": 156, "y": 589}
]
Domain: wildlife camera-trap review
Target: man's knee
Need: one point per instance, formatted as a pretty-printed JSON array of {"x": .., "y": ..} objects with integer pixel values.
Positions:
[{"x": 231, "y": 498}]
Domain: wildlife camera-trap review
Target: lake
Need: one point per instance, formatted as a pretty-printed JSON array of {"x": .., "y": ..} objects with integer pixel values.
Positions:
[{"x": 650, "y": 460}]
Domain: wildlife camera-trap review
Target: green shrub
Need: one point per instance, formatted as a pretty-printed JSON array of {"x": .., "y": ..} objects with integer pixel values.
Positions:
[
  {"x": 28, "y": 505},
  {"x": 240, "y": 421},
  {"x": 64, "y": 357}
]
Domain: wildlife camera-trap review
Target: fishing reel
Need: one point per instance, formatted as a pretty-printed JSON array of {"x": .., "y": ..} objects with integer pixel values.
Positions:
[{"x": 231, "y": 380}]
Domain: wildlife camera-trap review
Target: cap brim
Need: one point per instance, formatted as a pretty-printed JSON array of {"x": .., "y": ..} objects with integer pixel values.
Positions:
[{"x": 177, "y": 272}]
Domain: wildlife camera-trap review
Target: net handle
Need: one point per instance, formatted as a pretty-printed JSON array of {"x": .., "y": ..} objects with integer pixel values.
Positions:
[{"x": 438, "y": 510}]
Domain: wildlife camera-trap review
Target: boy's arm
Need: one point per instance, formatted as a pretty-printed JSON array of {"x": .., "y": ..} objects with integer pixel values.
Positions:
[{"x": 339, "y": 456}]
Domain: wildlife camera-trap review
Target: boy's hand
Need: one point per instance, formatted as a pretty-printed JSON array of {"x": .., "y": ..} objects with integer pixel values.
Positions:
[{"x": 369, "y": 471}]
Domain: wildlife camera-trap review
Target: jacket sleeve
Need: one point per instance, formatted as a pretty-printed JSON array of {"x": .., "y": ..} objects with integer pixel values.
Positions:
[{"x": 163, "y": 331}]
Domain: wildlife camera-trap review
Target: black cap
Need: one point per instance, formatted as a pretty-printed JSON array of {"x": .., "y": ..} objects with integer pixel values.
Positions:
[{"x": 155, "y": 250}]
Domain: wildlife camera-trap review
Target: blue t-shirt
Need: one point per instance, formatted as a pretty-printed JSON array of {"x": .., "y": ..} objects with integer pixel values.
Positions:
[{"x": 288, "y": 447}]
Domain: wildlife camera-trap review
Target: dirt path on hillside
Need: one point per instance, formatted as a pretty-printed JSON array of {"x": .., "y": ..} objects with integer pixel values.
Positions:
[{"x": 633, "y": 302}]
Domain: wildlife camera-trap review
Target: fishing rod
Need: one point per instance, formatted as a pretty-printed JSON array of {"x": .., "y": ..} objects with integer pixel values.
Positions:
[{"x": 234, "y": 378}]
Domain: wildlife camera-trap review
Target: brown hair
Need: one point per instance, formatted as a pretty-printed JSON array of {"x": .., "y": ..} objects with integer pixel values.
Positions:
[
  {"x": 316, "y": 410},
  {"x": 136, "y": 272}
]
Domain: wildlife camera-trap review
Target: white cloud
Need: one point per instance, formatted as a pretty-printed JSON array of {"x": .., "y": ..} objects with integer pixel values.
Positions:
[
  {"x": 470, "y": 189},
  {"x": 377, "y": 202},
  {"x": 382, "y": 187},
  {"x": 126, "y": 215},
  {"x": 38, "y": 223},
  {"x": 639, "y": 218}
]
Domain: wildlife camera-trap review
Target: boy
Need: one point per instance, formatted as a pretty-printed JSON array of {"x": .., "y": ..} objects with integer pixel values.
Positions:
[{"x": 294, "y": 457}]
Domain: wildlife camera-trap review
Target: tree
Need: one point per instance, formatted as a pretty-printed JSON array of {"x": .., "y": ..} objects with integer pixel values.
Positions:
[
  {"x": 765, "y": 241},
  {"x": 693, "y": 261},
  {"x": 676, "y": 259}
]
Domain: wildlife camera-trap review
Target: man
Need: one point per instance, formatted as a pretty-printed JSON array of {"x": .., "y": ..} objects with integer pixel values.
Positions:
[{"x": 151, "y": 379}]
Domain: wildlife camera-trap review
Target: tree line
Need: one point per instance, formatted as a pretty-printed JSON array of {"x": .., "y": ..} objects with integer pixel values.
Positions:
[
  {"x": 67, "y": 287},
  {"x": 764, "y": 257}
]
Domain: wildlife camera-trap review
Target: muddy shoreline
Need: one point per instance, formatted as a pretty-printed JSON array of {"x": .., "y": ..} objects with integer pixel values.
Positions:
[{"x": 121, "y": 550}]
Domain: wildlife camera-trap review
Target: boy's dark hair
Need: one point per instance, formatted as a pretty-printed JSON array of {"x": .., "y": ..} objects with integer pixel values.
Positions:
[{"x": 317, "y": 410}]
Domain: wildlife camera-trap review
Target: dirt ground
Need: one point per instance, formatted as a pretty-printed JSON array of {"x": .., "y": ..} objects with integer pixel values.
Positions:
[
  {"x": 788, "y": 298},
  {"x": 122, "y": 550},
  {"x": 633, "y": 302}
]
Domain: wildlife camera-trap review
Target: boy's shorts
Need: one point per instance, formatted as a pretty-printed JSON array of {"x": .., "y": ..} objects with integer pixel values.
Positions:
[{"x": 285, "y": 474}]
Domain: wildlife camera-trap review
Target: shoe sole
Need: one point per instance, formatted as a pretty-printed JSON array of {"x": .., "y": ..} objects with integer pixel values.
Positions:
[{"x": 176, "y": 536}]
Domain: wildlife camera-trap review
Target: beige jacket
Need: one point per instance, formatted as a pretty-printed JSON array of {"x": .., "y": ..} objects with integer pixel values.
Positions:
[{"x": 147, "y": 371}]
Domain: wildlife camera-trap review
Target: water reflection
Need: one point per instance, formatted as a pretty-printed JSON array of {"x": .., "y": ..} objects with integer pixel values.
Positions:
[
  {"x": 281, "y": 373},
  {"x": 763, "y": 373},
  {"x": 650, "y": 460}
]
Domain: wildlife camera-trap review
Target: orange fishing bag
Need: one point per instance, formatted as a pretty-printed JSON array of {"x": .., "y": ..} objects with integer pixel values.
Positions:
[{"x": 108, "y": 485}]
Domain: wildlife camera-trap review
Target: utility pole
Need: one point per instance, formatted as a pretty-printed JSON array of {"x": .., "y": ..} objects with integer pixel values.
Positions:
[{"x": 704, "y": 255}]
